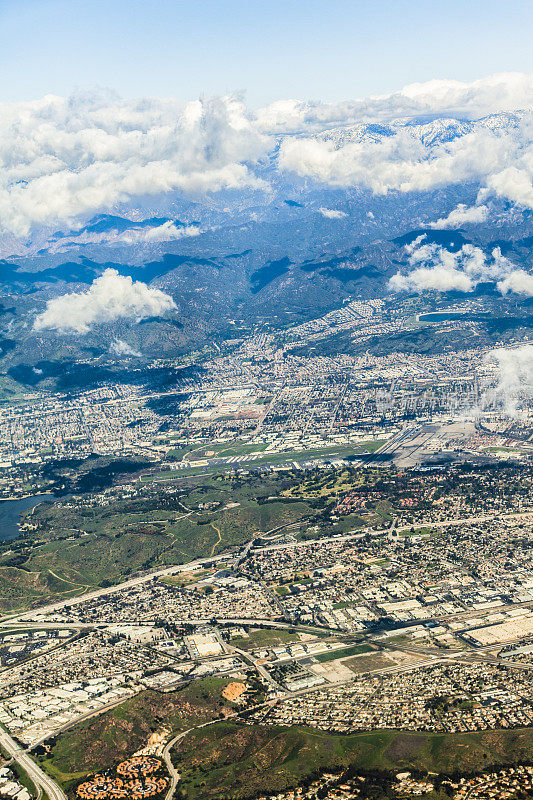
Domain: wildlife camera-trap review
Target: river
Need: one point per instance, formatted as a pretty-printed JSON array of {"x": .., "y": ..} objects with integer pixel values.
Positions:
[{"x": 10, "y": 511}]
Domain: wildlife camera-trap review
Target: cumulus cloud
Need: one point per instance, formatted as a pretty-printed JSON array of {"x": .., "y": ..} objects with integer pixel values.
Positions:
[
  {"x": 332, "y": 213},
  {"x": 517, "y": 282},
  {"x": 438, "y": 279},
  {"x": 513, "y": 378},
  {"x": 167, "y": 232},
  {"x": 437, "y": 269},
  {"x": 109, "y": 298},
  {"x": 445, "y": 98},
  {"x": 515, "y": 182},
  {"x": 462, "y": 215},
  {"x": 402, "y": 161},
  {"x": 64, "y": 157},
  {"x": 118, "y": 347}
]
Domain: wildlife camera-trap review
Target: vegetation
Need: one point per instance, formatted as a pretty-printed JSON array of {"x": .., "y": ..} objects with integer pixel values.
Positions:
[
  {"x": 72, "y": 548},
  {"x": 267, "y": 637},
  {"x": 229, "y": 760},
  {"x": 97, "y": 744},
  {"x": 345, "y": 652}
]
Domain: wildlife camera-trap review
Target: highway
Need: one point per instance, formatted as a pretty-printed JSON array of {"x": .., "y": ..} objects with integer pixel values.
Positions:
[
  {"x": 97, "y": 593},
  {"x": 42, "y": 781},
  {"x": 28, "y": 616}
]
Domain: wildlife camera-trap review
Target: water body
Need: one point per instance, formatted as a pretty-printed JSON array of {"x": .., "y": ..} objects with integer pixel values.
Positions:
[
  {"x": 10, "y": 511},
  {"x": 441, "y": 316}
]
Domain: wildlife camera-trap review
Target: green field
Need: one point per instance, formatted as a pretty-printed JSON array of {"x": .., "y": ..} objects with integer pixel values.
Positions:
[
  {"x": 267, "y": 637},
  {"x": 21, "y": 589},
  {"x": 229, "y": 760},
  {"x": 345, "y": 652}
]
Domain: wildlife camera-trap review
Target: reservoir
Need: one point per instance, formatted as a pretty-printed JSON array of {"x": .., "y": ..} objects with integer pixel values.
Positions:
[
  {"x": 10, "y": 511},
  {"x": 441, "y": 316}
]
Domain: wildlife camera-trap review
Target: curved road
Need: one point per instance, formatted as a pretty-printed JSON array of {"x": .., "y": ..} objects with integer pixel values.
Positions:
[
  {"x": 42, "y": 781},
  {"x": 172, "y": 771}
]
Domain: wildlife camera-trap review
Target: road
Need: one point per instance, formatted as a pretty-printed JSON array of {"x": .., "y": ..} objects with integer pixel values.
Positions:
[
  {"x": 97, "y": 593},
  {"x": 28, "y": 616},
  {"x": 249, "y": 658},
  {"x": 42, "y": 781},
  {"x": 172, "y": 771}
]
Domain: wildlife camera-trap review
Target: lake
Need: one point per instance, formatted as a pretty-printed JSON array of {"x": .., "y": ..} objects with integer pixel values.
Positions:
[
  {"x": 441, "y": 316},
  {"x": 10, "y": 511}
]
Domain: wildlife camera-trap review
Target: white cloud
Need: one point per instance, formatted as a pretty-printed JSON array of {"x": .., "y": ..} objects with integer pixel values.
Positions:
[
  {"x": 332, "y": 213},
  {"x": 162, "y": 233},
  {"x": 503, "y": 92},
  {"x": 401, "y": 162},
  {"x": 517, "y": 282},
  {"x": 64, "y": 157},
  {"x": 109, "y": 298},
  {"x": 515, "y": 183},
  {"x": 514, "y": 378},
  {"x": 438, "y": 269},
  {"x": 167, "y": 232},
  {"x": 118, "y": 347},
  {"x": 439, "y": 279},
  {"x": 495, "y": 152},
  {"x": 462, "y": 215}
]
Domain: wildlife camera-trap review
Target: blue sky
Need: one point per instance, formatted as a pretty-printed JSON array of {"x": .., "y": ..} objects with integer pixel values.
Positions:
[{"x": 271, "y": 49}]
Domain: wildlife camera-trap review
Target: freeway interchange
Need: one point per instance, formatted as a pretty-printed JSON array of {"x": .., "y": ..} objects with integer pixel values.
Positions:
[{"x": 426, "y": 655}]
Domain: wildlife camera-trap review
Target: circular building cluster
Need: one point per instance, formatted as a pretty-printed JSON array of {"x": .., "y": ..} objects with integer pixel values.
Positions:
[
  {"x": 102, "y": 788},
  {"x": 136, "y": 782},
  {"x": 139, "y": 790},
  {"x": 137, "y": 766}
]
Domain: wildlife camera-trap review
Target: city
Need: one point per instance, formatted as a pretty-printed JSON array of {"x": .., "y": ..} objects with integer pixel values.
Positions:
[{"x": 266, "y": 400}]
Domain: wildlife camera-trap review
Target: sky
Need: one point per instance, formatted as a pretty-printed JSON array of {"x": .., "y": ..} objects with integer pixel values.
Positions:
[{"x": 276, "y": 49}]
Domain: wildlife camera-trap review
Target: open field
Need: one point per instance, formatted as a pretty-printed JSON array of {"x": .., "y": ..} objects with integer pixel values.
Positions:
[
  {"x": 235, "y": 448},
  {"x": 265, "y": 638},
  {"x": 366, "y": 663},
  {"x": 345, "y": 652}
]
